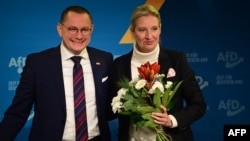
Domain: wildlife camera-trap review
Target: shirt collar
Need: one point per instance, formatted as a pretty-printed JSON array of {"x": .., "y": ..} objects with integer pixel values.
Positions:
[{"x": 66, "y": 54}]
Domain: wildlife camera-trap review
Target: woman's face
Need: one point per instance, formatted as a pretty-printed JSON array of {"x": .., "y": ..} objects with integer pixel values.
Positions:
[{"x": 147, "y": 33}]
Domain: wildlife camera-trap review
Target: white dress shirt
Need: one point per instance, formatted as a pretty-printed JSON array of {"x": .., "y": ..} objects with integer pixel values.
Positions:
[{"x": 67, "y": 65}]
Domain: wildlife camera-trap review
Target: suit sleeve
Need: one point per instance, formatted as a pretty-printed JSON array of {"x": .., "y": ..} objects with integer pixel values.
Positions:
[{"x": 17, "y": 113}]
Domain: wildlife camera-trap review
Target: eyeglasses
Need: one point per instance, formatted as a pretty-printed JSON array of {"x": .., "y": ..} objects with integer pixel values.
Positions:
[{"x": 74, "y": 30}]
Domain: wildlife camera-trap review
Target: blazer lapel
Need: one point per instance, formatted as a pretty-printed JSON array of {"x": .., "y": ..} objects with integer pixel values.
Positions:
[{"x": 164, "y": 60}]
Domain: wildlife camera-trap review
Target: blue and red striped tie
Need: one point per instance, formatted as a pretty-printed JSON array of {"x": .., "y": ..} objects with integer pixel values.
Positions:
[{"x": 79, "y": 101}]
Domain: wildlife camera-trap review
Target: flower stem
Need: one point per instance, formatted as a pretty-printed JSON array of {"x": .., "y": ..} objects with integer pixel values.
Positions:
[{"x": 161, "y": 135}]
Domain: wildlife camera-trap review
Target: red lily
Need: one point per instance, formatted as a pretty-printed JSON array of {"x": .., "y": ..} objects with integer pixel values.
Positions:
[{"x": 147, "y": 71}]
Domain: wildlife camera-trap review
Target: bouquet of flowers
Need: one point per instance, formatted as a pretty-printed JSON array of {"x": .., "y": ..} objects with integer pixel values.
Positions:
[{"x": 140, "y": 97}]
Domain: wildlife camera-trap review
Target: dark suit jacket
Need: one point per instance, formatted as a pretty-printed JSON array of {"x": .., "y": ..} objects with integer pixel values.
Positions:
[
  {"x": 41, "y": 85},
  {"x": 189, "y": 91}
]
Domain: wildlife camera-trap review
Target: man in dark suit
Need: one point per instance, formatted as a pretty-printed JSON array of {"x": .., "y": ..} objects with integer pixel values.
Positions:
[
  {"x": 46, "y": 84},
  {"x": 189, "y": 104}
]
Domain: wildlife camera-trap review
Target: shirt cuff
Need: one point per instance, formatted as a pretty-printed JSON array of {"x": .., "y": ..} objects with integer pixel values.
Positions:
[{"x": 174, "y": 121}]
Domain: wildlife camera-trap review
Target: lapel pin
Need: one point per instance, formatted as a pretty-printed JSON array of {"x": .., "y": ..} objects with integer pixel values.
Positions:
[{"x": 97, "y": 63}]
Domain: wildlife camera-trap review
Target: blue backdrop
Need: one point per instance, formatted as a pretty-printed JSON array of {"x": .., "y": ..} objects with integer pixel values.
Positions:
[{"x": 214, "y": 34}]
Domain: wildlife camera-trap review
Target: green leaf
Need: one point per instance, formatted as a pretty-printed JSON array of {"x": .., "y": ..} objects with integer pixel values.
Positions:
[
  {"x": 166, "y": 97},
  {"x": 170, "y": 105},
  {"x": 127, "y": 97},
  {"x": 157, "y": 98},
  {"x": 149, "y": 122},
  {"x": 175, "y": 89},
  {"x": 147, "y": 116},
  {"x": 140, "y": 124},
  {"x": 172, "y": 92},
  {"x": 124, "y": 83},
  {"x": 126, "y": 112},
  {"x": 145, "y": 109}
]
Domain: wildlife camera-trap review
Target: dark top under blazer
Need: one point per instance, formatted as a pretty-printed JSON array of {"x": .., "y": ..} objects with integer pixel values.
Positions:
[
  {"x": 189, "y": 91},
  {"x": 42, "y": 84}
]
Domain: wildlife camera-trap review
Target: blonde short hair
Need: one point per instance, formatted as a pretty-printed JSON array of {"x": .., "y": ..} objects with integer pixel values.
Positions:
[{"x": 143, "y": 10}]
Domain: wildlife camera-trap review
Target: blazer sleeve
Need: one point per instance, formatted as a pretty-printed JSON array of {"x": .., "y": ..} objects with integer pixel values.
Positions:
[{"x": 193, "y": 107}]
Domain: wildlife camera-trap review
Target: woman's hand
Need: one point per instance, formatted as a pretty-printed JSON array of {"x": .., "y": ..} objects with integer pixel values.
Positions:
[{"x": 162, "y": 118}]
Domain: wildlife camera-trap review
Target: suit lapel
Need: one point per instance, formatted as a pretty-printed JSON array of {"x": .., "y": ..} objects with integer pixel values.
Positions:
[
  {"x": 96, "y": 65},
  {"x": 56, "y": 72}
]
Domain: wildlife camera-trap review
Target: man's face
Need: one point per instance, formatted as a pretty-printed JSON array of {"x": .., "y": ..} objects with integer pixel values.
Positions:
[{"x": 76, "y": 31}]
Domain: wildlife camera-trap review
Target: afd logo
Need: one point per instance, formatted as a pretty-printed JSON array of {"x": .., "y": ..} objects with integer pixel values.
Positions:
[
  {"x": 18, "y": 63},
  {"x": 230, "y": 58},
  {"x": 201, "y": 82},
  {"x": 232, "y": 107}
]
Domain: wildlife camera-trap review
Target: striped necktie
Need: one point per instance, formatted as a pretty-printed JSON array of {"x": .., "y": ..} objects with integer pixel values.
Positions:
[{"x": 79, "y": 101}]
